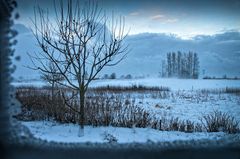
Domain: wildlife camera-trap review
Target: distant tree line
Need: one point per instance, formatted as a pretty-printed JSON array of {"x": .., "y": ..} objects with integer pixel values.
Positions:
[
  {"x": 225, "y": 77},
  {"x": 111, "y": 76},
  {"x": 114, "y": 76},
  {"x": 181, "y": 65}
]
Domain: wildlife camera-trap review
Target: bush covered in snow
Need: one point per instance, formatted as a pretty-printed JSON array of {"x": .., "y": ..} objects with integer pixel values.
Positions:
[
  {"x": 109, "y": 138},
  {"x": 218, "y": 121}
]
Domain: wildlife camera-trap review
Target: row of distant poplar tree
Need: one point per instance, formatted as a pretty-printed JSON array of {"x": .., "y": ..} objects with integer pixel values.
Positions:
[{"x": 181, "y": 65}]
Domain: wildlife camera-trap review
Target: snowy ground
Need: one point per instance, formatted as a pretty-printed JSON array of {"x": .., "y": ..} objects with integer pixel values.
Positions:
[
  {"x": 185, "y": 101},
  {"x": 52, "y": 131},
  {"x": 190, "y": 105},
  {"x": 173, "y": 84}
]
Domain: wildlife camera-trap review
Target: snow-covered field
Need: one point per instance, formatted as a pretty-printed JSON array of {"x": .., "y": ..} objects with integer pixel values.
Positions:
[
  {"x": 190, "y": 105},
  {"x": 185, "y": 101},
  {"x": 52, "y": 131},
  {"x": 173, "y": 84}
]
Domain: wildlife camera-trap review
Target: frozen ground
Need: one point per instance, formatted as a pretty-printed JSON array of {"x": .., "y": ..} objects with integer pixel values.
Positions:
[
  {"x": 52, "y": 131},
  {"x": 173, "y": 84},
  {"x": 185, "y": 101},
  {"x": 189, "y": 105}
]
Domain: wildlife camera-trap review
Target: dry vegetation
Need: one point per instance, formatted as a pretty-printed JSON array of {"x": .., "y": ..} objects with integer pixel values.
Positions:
[
  {"x": 230, "y": 90},
  {"x": 114, "y": 106}
]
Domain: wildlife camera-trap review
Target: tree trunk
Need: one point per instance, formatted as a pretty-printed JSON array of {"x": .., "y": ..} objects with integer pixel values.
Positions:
[
  {"x": 82, "y": 117},
  {"x": 53, "y": 100},
  {"x": 52, "y": 91}
]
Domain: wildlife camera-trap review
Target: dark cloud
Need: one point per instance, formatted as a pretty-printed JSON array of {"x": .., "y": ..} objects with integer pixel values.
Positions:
[
  {"x": 185, "y": 18},
  {"x": 126, "y": 6}
]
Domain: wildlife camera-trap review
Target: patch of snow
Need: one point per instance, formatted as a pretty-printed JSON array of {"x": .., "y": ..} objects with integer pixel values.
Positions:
[
  {"x": 190, "y": 105},
  {"x": 53, "y": 131},
  {"x": 173, "y": 84}
]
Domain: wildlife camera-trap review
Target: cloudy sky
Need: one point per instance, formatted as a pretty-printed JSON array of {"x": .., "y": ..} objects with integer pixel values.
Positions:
[
  {"x": 208, "y": 27},
  {"x": 185, "y": 18}
]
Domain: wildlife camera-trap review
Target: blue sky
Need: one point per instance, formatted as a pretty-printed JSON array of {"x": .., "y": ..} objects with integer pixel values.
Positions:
[{"x": 184, "y": 18}]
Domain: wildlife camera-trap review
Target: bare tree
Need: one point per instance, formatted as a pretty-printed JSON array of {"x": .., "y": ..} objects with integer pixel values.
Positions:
[{"x": 80, "y": 41}]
